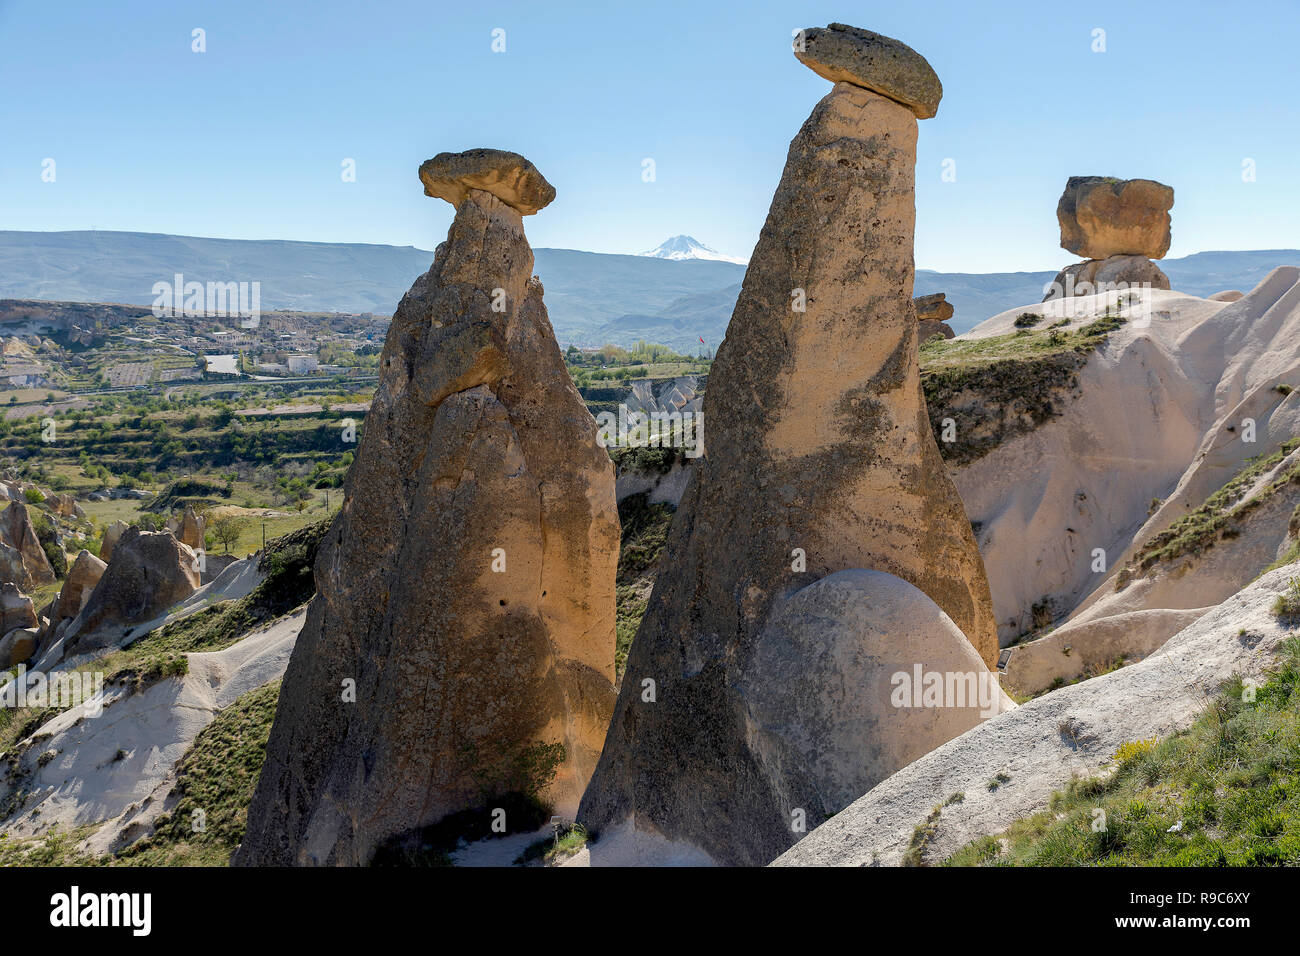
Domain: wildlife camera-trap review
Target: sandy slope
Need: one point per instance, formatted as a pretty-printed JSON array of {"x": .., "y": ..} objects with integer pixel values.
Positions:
[
  {"x": 1084, "y": 480},
  {"x": 1154, "y": 698},
  {"x": 117, "y": 767},
  {"x": 1151, "y": 421}
]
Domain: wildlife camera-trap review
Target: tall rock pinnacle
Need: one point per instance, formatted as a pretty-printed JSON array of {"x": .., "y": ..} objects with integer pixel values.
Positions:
[
  {"x": 820, "y": 459},
  {"x": 459, "y": 654}
]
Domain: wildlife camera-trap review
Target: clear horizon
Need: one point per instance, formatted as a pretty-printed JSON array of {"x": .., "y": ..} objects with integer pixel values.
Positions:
[{"x": 247, "y": 140}]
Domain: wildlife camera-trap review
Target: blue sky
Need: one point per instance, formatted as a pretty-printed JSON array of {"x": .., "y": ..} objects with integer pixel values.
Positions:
[{"x": 247, "y": 139}]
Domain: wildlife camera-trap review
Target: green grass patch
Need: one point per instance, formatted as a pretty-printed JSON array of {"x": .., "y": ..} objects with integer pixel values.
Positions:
[
  {"x": 996, "y": 388},
  {"x": 554, "y": 849},
  {"x": 1198, "y": 530},
  {"x": 1224, "y": 792},
  {"x": 645, "y": 531},
  {"x": 214, "y": 786}
]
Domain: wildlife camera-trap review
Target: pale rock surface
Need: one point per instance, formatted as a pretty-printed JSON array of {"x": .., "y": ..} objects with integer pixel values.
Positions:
[
  {"x": 477, "y": 440},
  {"x": 821, "y": 691},
  {"x": 1042, "y": 745},
  {"x": 1085, "y": 278},
  {"x": 1045, "y": 499},
  {"x": 1156, "y": 426},
  {"x": 115, "y": 754}
]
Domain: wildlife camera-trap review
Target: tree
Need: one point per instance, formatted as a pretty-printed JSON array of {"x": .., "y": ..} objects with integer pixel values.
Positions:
[{"x": 226, "y": 530}]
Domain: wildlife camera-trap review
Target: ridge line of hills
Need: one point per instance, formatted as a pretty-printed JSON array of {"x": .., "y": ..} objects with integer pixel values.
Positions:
[{"x": 593, "y": 297}]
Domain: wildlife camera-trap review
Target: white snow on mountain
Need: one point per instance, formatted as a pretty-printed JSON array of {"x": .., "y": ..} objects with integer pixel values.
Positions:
[{"x": 687, "y": 247}]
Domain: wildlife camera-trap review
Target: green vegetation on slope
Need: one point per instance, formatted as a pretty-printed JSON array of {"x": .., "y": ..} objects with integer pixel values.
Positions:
[
  {"x": 1216, "y": 518},
  {"x": 287, "y": 563},
  {"x": 645, "y": 531},
  {"x": 214, "y": 786},
  {"x": 1224, "y": 792},
  {"x": 555, "y": 849},
  {"x": 1003, "y": 386}
]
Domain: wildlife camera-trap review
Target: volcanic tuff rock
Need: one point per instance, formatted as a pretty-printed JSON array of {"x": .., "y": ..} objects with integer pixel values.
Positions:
[
  {"x": 18, "y": 533},
  {"x": 17, "y": 646},
  {"x": 819, "y": 451},
  {"x": 65, "y": 505},
  {"x": 467, "y": 586},
  {"x": 16, "y": 609},
  {"x": 828, "y": 658},
  {"x": 845, "y": 54},
  {"x": 1101, "y": 216},
  {"x": 190, "y": 527},
  {"x": 83, "y": 576},
  {"x": 506, "y": 175},
  {"x": 1099, "y": 476},
  {"x": 150, "y": 571},
  {"x": 1044, "y": 745},
  {"x": 933, "y": 308},
  {"x": 1084, "y": 278},
  {"x": 112, "y": 534}
]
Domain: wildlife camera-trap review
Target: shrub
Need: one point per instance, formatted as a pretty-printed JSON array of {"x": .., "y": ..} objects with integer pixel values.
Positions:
[
  {"x": 1287, "y": 605},
  {"x": 1132, "y": 749}
]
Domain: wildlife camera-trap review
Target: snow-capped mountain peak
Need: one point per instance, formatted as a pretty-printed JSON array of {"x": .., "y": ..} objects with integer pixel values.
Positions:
[{"x": 687, "y": 247}]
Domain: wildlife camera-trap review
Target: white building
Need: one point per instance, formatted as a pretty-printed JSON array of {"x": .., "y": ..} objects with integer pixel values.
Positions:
[{"x": 301, "y": 364}]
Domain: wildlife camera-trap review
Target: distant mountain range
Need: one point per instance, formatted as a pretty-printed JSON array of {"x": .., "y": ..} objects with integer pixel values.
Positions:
[
  {"x": 688, "y": 247},
  {"x": 592, "y": 297}
]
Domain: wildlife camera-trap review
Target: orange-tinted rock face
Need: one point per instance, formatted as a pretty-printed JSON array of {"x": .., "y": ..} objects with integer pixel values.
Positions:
[
  {"x": 1102, "y": 217},
  {"x": 467, "y": 587}
]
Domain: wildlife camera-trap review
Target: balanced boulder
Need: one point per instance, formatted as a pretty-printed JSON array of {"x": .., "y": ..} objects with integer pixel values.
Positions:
[
  {"x": 1119, "y": 226},
  {"x": 820, "y": 459},
  {"x": 1101, "y": 216},
  {"x": 932, "y": 314},
  {"x": 466, "y": 589}
]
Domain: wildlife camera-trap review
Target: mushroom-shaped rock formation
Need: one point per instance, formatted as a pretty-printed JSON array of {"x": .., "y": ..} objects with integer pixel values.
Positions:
[
  {"x": 845, "y": 54},
  {"x": 820, "y": 459},
  {"x": 466, "y": 589},
  {"x": 506, "y": 175}
]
